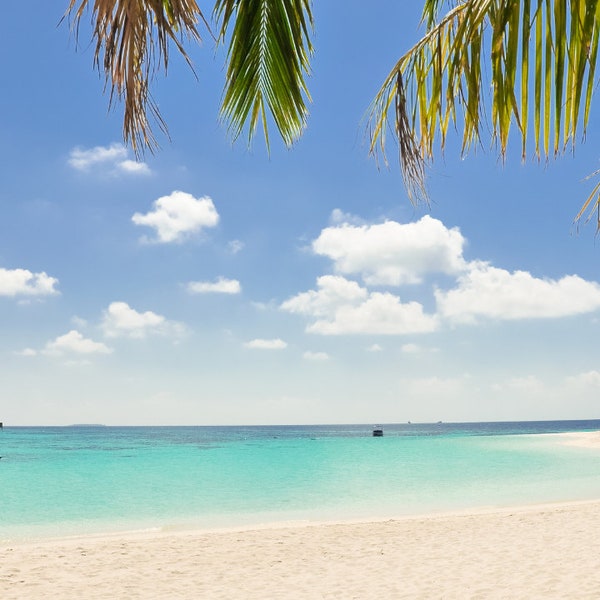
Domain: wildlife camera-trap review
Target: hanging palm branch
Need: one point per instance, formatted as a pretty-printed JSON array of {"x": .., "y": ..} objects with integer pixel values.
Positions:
[
  {"x": 132, "y": 43},
  {"x": 268, "y": 57},
  {"x": 540, "y": 56},
  {"x": 269, "y": 50}
]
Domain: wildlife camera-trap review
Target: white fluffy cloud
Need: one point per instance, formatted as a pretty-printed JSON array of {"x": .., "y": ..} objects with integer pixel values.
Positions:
[
  {"x": 380, "y": 314},
  {"x": 73, "y": 342},
  {"x": 340, "y": 306},
  {"x": 221, "y": 286},
  {"x": 178, "y": 215},
  {"x": 120, "y": 320},
  {"x": 21, "y": 282},
  {"x": 261, "y": 344},
  {"x": 114, "y": 158},
  {"x": 392, "y": 253},
  {"x": 486, "y": 291},
  {"x": 333, "y": 292}
]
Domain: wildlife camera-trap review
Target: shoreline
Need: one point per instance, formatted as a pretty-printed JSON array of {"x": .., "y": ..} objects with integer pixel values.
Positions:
[
  {"x": 542, "y": 551},
  {"x": 267, "y": 522},
  {"x": 182, "y": 530}
]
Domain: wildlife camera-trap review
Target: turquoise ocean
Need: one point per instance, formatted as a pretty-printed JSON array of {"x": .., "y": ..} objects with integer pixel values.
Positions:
[{"x": 61, "y": 481}]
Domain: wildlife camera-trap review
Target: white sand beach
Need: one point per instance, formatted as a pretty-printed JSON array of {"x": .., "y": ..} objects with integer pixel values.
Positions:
[
  {"x": 583, "y": 439},
  {"x": 530, "y": 552}
]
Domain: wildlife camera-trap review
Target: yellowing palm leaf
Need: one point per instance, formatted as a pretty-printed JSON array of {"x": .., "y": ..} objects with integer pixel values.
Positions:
[{"x": 540, "y": 55}]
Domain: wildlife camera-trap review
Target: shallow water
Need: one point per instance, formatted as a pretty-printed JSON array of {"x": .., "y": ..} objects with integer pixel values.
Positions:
[{"x": 73, "y": 480}]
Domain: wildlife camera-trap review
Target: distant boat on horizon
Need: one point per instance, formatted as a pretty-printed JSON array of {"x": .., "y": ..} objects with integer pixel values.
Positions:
[{"x": 377, "y": 431}]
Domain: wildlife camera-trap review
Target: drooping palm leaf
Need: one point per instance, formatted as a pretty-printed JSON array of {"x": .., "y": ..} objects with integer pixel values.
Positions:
[
  {"x": 132, "y": 43},
  {"x": 268, "y": 58},
  {"x": 540, "y": 56}
]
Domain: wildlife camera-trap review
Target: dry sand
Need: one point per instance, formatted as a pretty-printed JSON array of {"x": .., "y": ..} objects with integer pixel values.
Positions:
[{"x": 536, "y": 552}]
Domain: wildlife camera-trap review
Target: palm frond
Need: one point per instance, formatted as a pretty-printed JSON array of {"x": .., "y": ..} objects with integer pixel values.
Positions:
[
  {"x": 540, "y": 56},
  {"x": 268, "y": 58},
  {"x": 592, "y": 204},
  {"x": 132, "y": 44}
]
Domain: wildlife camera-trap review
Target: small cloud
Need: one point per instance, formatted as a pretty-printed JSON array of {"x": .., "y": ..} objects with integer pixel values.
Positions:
[
  {"x": 316, "y": 356},
  {"x": 21, "y": 282},
  {"x": 235, "y": 246},
  {"x": 339, "y": 217},
  {"x": 221, "y": 286},
  {"x": 270, "y": 305},
  {"x": 134, "y": 167},
  {"x": 260, "y": 344},
  {"x": 26, "y": 352},
  {"x": 73, "y": 342},
  {"x": 114, "y": 157},
  {"x": 120, "y": 320},
  {"x": 178, "y": 215},
  {"x": 374, "y": 348},
  {"x": 79, "y": 322},
  {"x": 82, "y": 159}
]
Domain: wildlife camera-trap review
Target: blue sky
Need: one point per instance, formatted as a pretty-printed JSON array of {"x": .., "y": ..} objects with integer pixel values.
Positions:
[{"x": 211, "y": 283}]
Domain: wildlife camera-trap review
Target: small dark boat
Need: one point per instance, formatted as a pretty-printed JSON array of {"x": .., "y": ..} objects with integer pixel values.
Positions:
[{"x": 377, "y": 432}]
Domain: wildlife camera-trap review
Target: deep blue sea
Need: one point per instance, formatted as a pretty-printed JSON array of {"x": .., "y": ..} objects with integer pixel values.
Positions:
[{"x": 75, "y": 480}]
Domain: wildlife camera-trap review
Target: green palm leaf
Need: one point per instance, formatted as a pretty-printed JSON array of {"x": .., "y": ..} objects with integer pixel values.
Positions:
[{"x": 268, "y": 58}]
